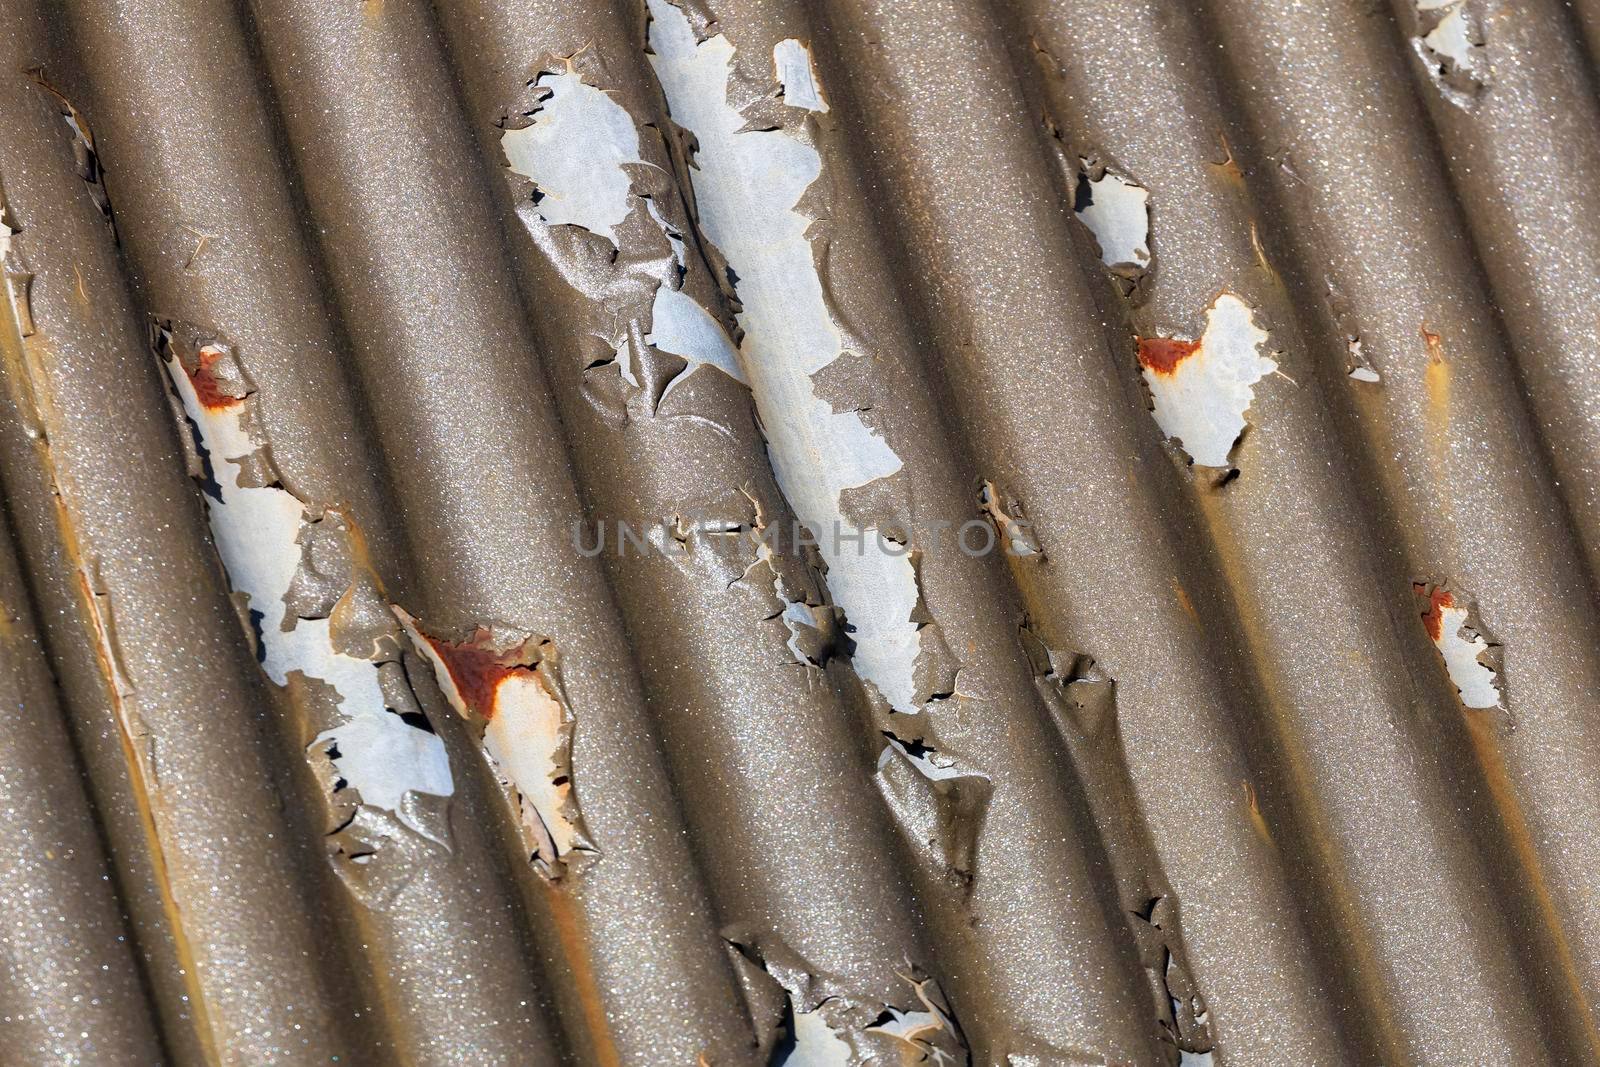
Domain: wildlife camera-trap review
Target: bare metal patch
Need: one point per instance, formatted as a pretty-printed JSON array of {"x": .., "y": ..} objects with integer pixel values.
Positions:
[
  {"x": 1461, "y": 645},
  {"x": 263, "y": 534},
  {"x": 507, "y": 689},
  {"x": 1202, "y": 388},
  {"x": 1117, "y": 212},
  {"x": 747, "y": 185}
]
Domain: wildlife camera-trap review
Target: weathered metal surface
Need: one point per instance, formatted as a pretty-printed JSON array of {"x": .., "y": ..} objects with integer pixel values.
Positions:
[{"x": 414, "y": 419}]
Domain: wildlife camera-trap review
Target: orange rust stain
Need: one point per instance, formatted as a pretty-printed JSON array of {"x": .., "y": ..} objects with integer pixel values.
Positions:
[
  {"x": 1229, "y": 167},
  {"x": 1161, "y": 355},
  {"x": 476, "y": 671},
  {"x": 1486, "y": 746},
  {"x": 1184, "y": 602},
  {"x": 206, "y": 386},
  {"x": 1433, "y": 618},
  {"x": 575, "y": 948},
  {"x": 1435, "y": 344},
  {"x": 1254, "y": 808}
]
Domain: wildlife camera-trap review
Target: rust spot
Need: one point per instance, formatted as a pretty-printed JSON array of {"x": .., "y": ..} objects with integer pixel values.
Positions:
[
  {"x": 1438, "y": 601},
  {"x": 478, "y": 669},
  {"x": 1184, "y": 602},
  {"x": 1161, "y": 355},
  {"x": 1435, "y": 345},
  {"x": 1229, "y": 167},
  {"x": 210, "y": 390}
]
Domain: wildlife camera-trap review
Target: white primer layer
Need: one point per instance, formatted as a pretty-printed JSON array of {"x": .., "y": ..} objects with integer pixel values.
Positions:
[
  {"x": 1461, "y": 646},
  {"x": 746, "y": 187},
  {"x": 678, "y": 324},
  {"x": 523, "y": 741},
  {"x": 574, "y": 152},
  {"x": 1451, "y": 39},
  {"x": 1118, "y": 214},
  {"x": 257, "y": 532},
  {"x": 815, "y": 1043},
  {"x": 934, "y": 767},
  {"x": 798, "y": 75},
  {"x": 1203, "y": 401}
]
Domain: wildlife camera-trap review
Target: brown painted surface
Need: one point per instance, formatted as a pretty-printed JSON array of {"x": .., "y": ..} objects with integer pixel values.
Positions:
[{"x": 1200, "y": 749}]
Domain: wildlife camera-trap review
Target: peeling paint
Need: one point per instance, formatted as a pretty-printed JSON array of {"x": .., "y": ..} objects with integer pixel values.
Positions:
[
  {"x": 1201, "y": 389},
  {"x": 259, "y": 533},
  {"x": 815, "y": 1043},
  {"x": 747, "y": 184},
  {"x": 832, "y": 1024},
  {"x": 797, "y": 73},
  {"x": 938, "y": 801},
  {"x": 1451, "y": 45},
  {"x": 577, "y": 152},
  {"x": 1008, "y": 521},
  {"x": 574, "y": 152},
  {"x": 1117, "y": 212},
  {"x": 1361, "y": 368},
  {"x": 87, "y": 159},
  {"x": 1461, "y": 645},
  {"x": 679, "y": 325},
  {"x": 505, "y": 687}
]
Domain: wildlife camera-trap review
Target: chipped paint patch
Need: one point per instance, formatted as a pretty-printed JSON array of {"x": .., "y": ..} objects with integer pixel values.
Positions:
[
  {"x": 577, "y": 152},
  {"x": 574, "y": 153},
  {"x": 815, "y": 1043},
  {"x": 505, "y": 687},
  {"x": 1201, "y": 389},
  {"x": 1361, "y": 368},
  {"x": 1461, "y": 646},
  {"x": 747, "y": 184},
  {"x": 258, "y": 530},
  {"x": 1008, "y": 520},
  {"x": 797, "y": 73},
  {"x": 679, "y": 325},
  {"x": 1450, "y": 43},
  {"x": 1117, "y": 212}
]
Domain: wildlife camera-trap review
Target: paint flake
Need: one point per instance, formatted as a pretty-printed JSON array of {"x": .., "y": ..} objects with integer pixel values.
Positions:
[
  {"x": 1453, "y": 49},
  {"x": 679, "y": 325},
  {"x": 1202, "y": 389},
  {"x": 258, "y": 533},
  {"x": 747, "y": 185}
]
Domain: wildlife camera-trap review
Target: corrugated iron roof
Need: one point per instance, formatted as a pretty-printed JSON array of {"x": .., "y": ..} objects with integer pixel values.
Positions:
[{"x": 743, "y": 531}]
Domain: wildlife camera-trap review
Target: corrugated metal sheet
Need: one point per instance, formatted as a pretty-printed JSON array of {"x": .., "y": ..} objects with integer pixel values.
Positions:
[{"x": 1193, "y": 407}]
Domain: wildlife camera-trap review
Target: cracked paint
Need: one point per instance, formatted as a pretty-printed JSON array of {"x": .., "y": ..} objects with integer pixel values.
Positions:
[
  {"x": 1461, "y": 646},
  {"x": 747, "y": 184},
  {"x": 1006, "y": 515},
  {"x": 258, "y": 531},
  {"x": 507, "y": 688},
  {"x": 1201, "y": 389}
]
